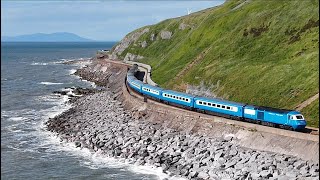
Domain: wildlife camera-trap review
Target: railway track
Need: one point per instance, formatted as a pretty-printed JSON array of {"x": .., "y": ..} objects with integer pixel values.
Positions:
[{"x": 309, "y": 133}]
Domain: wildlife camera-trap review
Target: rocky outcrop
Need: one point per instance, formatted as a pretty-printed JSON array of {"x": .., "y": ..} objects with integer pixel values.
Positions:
[
  {"x": 152, "y": 37},
  {"x": 183, "y": 26},
  {"x": 202, "y": 89},
  {"x": 144, "y": 44},
  {"x": 125, "y": 43},
  {"x": 165, "y": 34},
  {"x": 132, "y": 57}
]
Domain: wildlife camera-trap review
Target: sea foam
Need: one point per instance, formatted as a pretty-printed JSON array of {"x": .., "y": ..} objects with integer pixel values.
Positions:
[{"x": 49, "y": 83}]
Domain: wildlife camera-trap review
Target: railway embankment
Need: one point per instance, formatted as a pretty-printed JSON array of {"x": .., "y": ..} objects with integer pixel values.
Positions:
[{"x": 118, "y": 123}]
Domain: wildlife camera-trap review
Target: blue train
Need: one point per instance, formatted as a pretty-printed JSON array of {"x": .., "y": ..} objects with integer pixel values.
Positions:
[{"x": 286, "y": 119}]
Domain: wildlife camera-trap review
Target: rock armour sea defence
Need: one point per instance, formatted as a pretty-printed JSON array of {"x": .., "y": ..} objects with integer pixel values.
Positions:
[
  {"x": 103, "y": 123},
  {"x": 100, "y": 123}
]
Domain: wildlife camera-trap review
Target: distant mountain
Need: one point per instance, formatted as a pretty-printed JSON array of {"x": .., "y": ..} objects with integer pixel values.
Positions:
[{"x": 41, "y": 37}]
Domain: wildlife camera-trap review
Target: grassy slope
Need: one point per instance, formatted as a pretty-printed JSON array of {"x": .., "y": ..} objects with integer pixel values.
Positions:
[{"x": 264, "y": 53}]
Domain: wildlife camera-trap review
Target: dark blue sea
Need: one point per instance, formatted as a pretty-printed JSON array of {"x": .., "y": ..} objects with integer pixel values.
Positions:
[{"x": 30, "y": 72}]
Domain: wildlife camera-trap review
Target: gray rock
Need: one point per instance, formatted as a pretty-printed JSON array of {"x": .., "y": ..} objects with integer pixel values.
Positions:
[
  {"x": 183, "y": 26},
  {"x": 292, "y": 174},
  {"x": 265, "y": 174},
  {"x": 144, "y": 44},
  {"x": 283, "y": 177},
  {"x": 77, "y": 144},
  {"x": 255, "y": 175},
  {"x": 218, "y": 155},
  {"x": 299, "y": 164},
  {"x": 132, "y": 57},
  {"x": 152, "y": 37},
  {"x": 165, "y": 34},
  {"x": 230, "y": 164},
  {"x": 193, "y": 174},
  {"x": 203, "y": 175}
]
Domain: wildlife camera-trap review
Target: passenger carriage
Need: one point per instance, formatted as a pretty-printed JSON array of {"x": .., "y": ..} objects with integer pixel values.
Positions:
[
  {"x": 177, "y": 98},
  {"x": 219, "y": 107},
  {"x": 136, "y": 85},
  {"x": 152, "y": 91}
]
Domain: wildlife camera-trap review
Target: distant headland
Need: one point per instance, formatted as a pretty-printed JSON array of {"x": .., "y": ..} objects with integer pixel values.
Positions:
[{"x": 42, "y": 37}]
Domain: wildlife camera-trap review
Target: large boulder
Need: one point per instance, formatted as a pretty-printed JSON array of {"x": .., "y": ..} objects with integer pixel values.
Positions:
[{"x": 165, "y": 34}]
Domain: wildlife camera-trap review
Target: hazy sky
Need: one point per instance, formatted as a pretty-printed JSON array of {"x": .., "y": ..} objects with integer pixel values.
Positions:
[{"x": 99, "y": 20}]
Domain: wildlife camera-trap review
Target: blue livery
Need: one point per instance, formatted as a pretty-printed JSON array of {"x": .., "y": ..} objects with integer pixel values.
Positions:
[
  {"x": 219, "y": 106},
  {"x": 287, "y": 119},
  {"x": 177, "y": 98},
  {"x": 152, "y": 91},
  {"x": 280, "y": 117},
  {"x": 136, "y": 85}
]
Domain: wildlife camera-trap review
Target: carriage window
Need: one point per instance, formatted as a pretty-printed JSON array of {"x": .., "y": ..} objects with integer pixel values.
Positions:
[
  {"x": 228, "y": 107},
  {"x": 204, "y": 103},
  {"x": 214, "y": 105},
  {"x": 223, "y": 106},
  {"x": 218, "y": 105},
  {"x": 200, "y": 102},
  {"x": 209, "y": 104}
]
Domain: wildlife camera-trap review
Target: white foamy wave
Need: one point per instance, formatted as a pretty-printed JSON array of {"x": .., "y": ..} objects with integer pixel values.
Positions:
[
  {"x": 49, "y": 83},
  {"x": 72, "y": 71},
  {"x": 17, "y": 118},
  {"x": 97, "y": 160},
  {"x": 92, "y": 84},
  {"x": 75, "y": 60},
  {"x": 39, "y": 64}
]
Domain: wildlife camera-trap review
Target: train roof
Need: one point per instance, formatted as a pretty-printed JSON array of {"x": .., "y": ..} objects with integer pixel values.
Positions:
[
  {"x": 276, "y": 110},
  {"x": 218, "y": 100},
  {"x": 138, "y": 81},
  {"x": 153, "y": 87},
  {"x": 178, "y": 93}
]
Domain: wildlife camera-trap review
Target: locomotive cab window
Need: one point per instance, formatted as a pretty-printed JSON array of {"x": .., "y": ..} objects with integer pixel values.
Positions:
[{"x": 299, "y": 117}]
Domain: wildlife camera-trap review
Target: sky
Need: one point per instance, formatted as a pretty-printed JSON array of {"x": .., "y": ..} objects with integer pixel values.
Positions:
[{"x": 106, "y": 20}]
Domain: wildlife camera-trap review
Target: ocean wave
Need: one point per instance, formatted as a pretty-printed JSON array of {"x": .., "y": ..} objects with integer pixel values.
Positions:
[
  {"x": 49, "y": 83},
  {"x": 97, "y": 160},
  {"x": 39, "y": 64},
  {"x": 92, "y": 84},
  {"x": 17, "y": 118},
  {"x": 72, "y": 71}
]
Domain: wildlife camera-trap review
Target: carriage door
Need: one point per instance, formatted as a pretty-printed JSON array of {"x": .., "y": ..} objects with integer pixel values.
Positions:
[{"x": 260, "y": 115}]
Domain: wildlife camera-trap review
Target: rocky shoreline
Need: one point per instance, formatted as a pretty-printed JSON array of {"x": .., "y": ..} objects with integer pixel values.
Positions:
[{"x": 102, "y": 122}]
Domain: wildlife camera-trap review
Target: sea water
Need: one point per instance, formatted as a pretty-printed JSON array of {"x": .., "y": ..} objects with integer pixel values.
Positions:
[{"x": 30, "y": 72}]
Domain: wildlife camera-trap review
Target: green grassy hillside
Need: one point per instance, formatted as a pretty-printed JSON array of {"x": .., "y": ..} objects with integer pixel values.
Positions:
[{"x": 259, "y": 52}]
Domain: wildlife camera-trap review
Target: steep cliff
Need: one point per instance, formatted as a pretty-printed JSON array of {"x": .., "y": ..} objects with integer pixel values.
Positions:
[{"x": 257, "y": 52}]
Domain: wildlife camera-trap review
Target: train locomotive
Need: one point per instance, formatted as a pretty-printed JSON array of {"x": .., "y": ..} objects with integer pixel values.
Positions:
[{"x": 282, "y": 118}]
